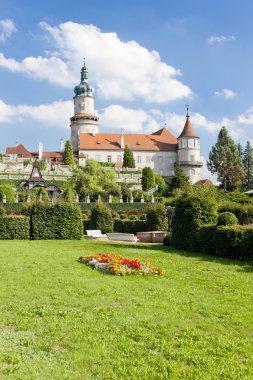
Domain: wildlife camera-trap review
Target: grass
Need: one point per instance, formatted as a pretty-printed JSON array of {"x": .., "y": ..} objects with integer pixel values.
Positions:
[{"x": 62, "y": 320}]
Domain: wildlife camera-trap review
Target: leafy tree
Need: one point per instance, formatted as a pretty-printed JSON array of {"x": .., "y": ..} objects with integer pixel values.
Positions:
[
  {"x": 225, "y": 162},
  {"x": 128, "y": 158},
  {"x": 159, "y": 181},
  {"x": 94, "y": 180},
  {"x": 147, "y": 179},
  {"x": 68, "y": 154},
  {"x": 179, "y": 180},
  {"x": 9, "y": 192},
  {"x": 248, "y": 164},
  {"x": 68, "y": 194}
]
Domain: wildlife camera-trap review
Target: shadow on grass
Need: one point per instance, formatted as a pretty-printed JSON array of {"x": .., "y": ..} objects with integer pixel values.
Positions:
[{"x": 244, "y": 265}]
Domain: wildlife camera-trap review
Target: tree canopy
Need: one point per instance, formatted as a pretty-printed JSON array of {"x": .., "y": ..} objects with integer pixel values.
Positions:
[
  {"x": 93, "y": 179},
  {"x": 248, "y": 164},
  {"x": 179, "y": 180},
  {"x": 225, "y": 161},
  {"x": 147, "y": 179}
]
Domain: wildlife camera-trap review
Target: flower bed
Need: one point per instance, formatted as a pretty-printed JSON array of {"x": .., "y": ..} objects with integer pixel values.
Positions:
[{"x": 120, "y": 266}]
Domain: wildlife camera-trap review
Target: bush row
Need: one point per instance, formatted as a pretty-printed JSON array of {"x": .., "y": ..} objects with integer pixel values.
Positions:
[
  {"x": 14, "y": 227},
  {"x": 244, "y": 213},
  {"x": 235, "y": 242}
]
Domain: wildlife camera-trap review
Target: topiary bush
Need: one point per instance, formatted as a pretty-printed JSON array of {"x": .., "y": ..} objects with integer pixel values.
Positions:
[
  {"x": 191, "y": 212},
  {"x": 243, "y": 212},
  {"x": 157, "y": 218},
  {"x": 14, "y": 227},
  {"x": 59, "y": 221},
  {"x": 101, "y": 218},
  {"x": 129, "y": 226},
  {"x": 227, "y": 219}
]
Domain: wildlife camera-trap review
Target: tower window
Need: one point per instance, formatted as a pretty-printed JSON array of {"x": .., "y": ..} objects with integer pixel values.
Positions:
[
  {"x": 191, "y": 143},
  {"x": 184, "y": 143},
  {"x": 192, "y": 157}
]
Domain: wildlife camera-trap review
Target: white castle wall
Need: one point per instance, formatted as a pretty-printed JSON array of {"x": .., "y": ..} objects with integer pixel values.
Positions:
[{"x": 84, "y": 104}]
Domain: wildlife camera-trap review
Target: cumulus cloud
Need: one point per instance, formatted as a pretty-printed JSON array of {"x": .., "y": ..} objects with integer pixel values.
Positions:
[
  {"x": 219, "y": 40},
  {"x": 54, "y": 114},
  {"x": 119, "y": 69},
  {"x": 7, "y": 28},
  {"x": 225, "y": 93},
  {"x": 52, "y": 69}
]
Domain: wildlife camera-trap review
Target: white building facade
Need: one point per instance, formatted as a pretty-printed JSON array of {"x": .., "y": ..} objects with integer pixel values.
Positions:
[{"x": 159, "y": 150}]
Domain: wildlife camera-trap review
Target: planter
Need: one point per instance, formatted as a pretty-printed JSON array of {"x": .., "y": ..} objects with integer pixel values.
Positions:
[{"x": 151, "y": 236}]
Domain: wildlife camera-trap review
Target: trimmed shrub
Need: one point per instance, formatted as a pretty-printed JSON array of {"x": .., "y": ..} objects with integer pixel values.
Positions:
[
  {"x": 244, "y": 213},
  {"x": 60, "y": 221},
  {"x": 129, "y": 226},
  {"x": 157, "y": 218},
  {"x": 101, "y": 218},
  {"x": 14, "y": 227},
  {"x": 191, "y": 212},
  {"x": 9, "y": 192},
  {"x": 227, "y": 219},
  {"x": 167, "y": 240},
  {"x": 235, "y": 242},
  {"x": 2, "y": 211}
]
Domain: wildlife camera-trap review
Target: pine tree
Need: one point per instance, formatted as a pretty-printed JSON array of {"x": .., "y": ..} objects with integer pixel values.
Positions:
[
  {"x": 240, "y": 150},
  {"x": 248, "y": 164},
  {"x": 147, "y": 179},
  {"x": 128, "y": 158},
  {"x": 68, "y": 154},
  {"x": 225, "y": 162},
  {"x": 179, "y": 179}
]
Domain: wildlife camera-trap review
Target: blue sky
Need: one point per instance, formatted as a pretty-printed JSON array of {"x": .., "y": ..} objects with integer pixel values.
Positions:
[{"x": 146, "y": 60}]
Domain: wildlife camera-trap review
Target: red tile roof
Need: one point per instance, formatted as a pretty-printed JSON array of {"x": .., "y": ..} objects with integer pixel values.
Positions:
[
  {"x": 19, "y": 150},
  {"x": 204, "y": 182},
  {"x": 161, "y": 140},
  {"x": 188, "y": 130}
]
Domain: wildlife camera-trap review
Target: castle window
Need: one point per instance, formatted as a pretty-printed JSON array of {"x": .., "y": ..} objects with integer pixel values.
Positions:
[
  {"x": 119, "y": 158},
  {"x": 109, "y": 158},
  {"x": 139, "y": 159},
  {"x": 160, "y": 159},
  {"x": 191, "y": 143},
  {"x": 148, "y": 159},
  {"x": 192, "y": 172},
  {"x": 184, "y": 143},
  {"x": 192, "y": 157},
  {"x": 171, "y": 160}
]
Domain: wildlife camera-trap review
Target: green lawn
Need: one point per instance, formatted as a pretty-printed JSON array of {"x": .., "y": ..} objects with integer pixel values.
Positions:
[{"x": 62, "y": 320}]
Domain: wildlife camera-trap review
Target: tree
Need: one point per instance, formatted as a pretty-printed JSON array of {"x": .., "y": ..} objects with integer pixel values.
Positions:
[
  {"x": 225, "y": 161},
  {"x": 240, "y": 150},
  {"x": 159, "y": 181},
  {"x": 179, "y": 180},
  {"x": 101, "y": 218},
  {"x": 94, "y": 180},
  {"x": 68, "y": 154},
  {"x": 147, "y": 179},
  {"x": 157, "y": 218},
  {"x": 248, "y": 164},
  {"x": 128, "y": 158}
]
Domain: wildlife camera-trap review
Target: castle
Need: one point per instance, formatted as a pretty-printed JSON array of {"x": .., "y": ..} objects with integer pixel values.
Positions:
[{"x": 159, "y": 150}]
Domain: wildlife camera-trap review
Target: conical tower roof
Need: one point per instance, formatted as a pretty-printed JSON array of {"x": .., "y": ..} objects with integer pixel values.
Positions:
[{"x": 188, "y": 130}]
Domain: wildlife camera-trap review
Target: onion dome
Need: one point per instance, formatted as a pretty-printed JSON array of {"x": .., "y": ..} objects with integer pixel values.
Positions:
[{"x": 84, "y": 88}]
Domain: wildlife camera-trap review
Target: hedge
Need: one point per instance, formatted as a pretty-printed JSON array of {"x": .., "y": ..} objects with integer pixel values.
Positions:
[
  {"x": 14, "y": 227},
  {"x": 129, "y": 226},
  {"x": 244, "y": 213},
  {"x": 60, "y": 221},
  {"x": 137, "y": 206},
  {"x": 235, "y": 242}
]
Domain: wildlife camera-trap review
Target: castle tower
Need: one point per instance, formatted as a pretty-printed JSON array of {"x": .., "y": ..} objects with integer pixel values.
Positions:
[
  {"x": 84, "y": 120},
  {"x": 189, "y": 151}
]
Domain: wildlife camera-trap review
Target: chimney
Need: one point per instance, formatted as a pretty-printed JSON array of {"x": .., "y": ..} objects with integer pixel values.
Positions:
[
  {"x": 40, "y": 150},
  {"x": 61, "y": 145},
  {"x": 93, "y": 132},
  {"x": 122, "y": 145}
]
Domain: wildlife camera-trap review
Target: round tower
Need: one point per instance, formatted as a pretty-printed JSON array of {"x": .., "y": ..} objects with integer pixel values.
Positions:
[
  {"x": 189, "y": 151},
  {"x": 84, "y": 120}
]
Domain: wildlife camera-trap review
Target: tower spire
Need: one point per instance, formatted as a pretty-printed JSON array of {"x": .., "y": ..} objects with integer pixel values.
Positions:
[
  {"x": 84, "y": 72},
  {"x": 187, "y": 110}
]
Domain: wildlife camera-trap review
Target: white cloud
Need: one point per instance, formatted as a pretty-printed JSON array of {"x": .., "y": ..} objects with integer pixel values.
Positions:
[
  {"x": 52, "y": 69},
  {"x": 119, "y": 69},
  {"x": 131, "y": 120},
  {"x": 220, "y": 39},
  {"x": 54, "y": 114},
  {"x": 225, "y": 93},
  {"x": 7, "y": 28}
]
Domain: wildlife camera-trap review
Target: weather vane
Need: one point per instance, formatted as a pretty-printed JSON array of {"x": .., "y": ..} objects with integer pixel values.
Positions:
[{"x": 187, "y": 110}]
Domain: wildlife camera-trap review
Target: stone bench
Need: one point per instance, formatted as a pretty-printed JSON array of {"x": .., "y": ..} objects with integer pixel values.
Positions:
[{"x": 118, "y": 236}]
